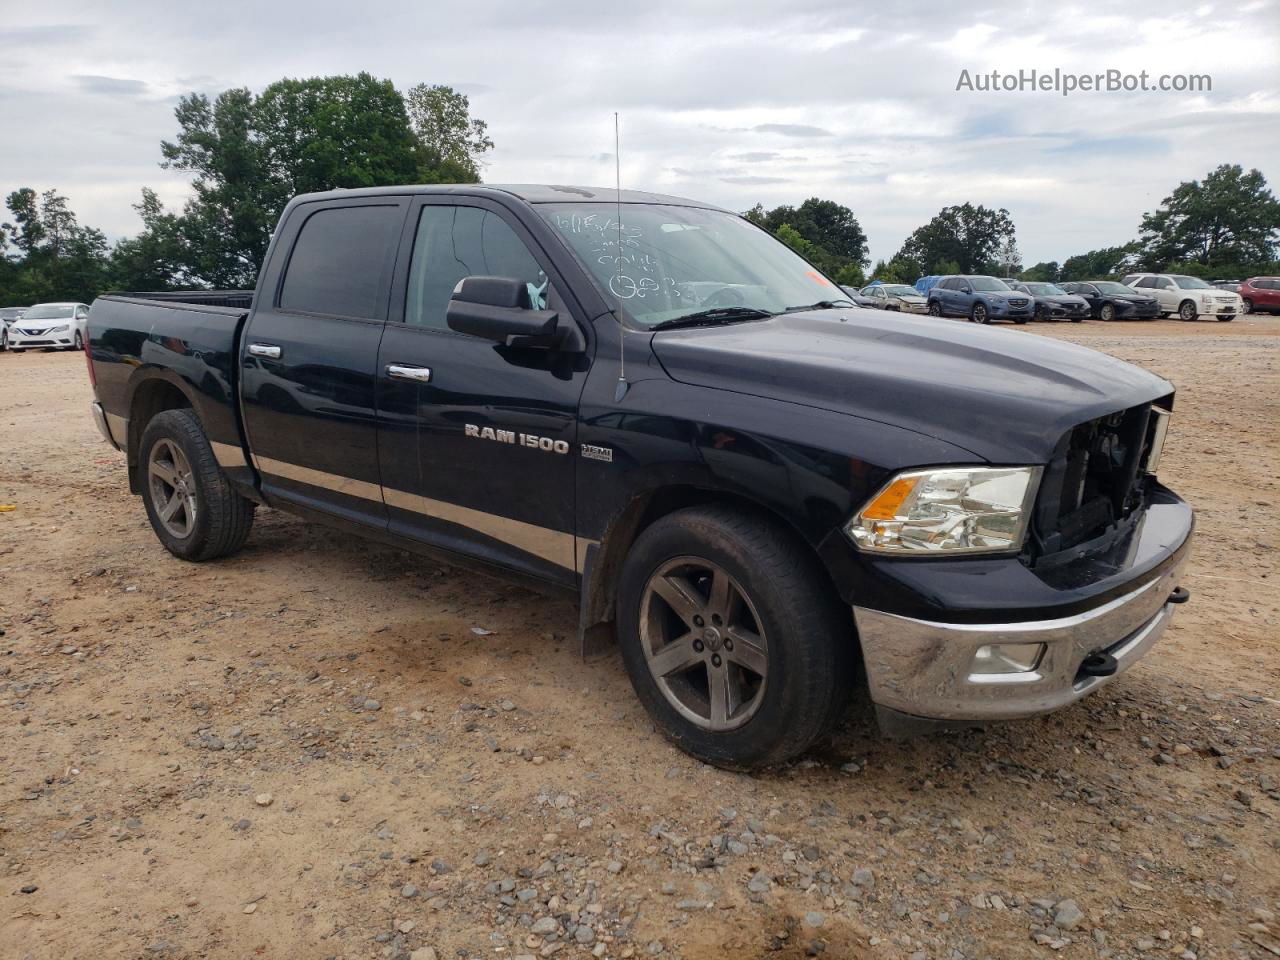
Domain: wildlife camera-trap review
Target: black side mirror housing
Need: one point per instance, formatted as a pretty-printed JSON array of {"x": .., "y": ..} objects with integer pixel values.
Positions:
[{"x": 498, "y": 309}]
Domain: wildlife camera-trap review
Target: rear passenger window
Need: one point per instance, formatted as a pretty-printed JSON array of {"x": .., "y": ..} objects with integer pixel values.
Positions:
[
  {"x": 457, "y": 242},
  {"x": 340, "y": 260}
]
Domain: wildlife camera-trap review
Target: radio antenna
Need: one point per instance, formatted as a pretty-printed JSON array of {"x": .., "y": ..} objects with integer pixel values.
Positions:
[{"x": 621, "y": 388}]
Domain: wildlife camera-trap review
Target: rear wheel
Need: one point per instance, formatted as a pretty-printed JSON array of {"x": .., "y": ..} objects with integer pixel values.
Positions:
[
  {"x": 731, "y": 638},
  {"x": 1107, "y": 312},
  {"x": 1187, "y": 310},
  {"x": 1248, "y": 306},
  {"x": 190, "y": 503}
]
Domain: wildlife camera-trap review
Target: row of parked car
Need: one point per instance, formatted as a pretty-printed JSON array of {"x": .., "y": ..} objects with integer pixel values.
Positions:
[
  {"x": 48, "y": 326},
  {"x": 1139, "y": 296}
]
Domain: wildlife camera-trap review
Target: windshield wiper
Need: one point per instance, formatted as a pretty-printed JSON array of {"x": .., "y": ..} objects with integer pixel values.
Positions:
[
  {"x": 821, "y": 305},
  {"x": 713, "y": 317}
]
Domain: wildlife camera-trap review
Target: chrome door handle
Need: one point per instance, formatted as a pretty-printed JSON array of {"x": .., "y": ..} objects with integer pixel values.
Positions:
[
  {"x": 264, "y": 350},
  {"x": 399, "y": 371}
]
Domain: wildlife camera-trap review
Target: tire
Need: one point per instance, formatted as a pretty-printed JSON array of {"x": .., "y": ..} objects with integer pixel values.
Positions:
[
  {"x": 79, "y": 344},
  {"x": 1020, "y": 320},
  {"x": 935, "y": 310},
  {"x": 1248, "y": 306},
  {"x": 1187, "y": 311},
  {"x": 215, "y": 519},
  {"x": 1107, "y": 312},
  {"x": 1226, "y": 317},
  {"x": 978, "y": 314},
  {"x": 803, "y": 645},
  {"x": 1041, "y": 315}
]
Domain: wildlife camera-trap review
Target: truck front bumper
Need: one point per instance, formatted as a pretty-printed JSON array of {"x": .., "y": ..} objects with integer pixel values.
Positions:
[{"x": 919, "y": 669}]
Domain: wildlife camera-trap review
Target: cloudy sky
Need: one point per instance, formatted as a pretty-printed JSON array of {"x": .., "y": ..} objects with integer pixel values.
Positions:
[{"x": 732, "y": 101}]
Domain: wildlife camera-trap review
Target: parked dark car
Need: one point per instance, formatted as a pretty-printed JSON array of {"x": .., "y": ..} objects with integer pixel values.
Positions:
[
  {"x": 1109, "y": 300},
  {"x": 1261, "y": 294},
  {"x": 771, "y": 500},
  {"x": 8, "y": 315},
  {"x": 978, "y": 298},
  {"x": 1054, "y": 303}
]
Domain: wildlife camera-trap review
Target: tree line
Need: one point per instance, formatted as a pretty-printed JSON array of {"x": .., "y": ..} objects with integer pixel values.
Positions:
[
  {"x": 248, "y": 154},
  {"x": 1226, "y": 225}
]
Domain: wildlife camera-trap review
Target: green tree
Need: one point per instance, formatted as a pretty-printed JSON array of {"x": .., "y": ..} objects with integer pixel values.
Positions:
[
  {"x": 897, "y": 270},
  {"x": 791, "y": 237},
  {"x": 453, "y": 143},
  {"x": 835, "y": 240},
  {"x": 250, "y": 154},
  {"x": 1043, "y": 272},
  {"x": 1230, "y": 217},
  {"x": 1107, "y": 263},
  {"x": 57, "y": 258},
  {"x": 970, "y": 237},
  {"x": 158, "y": 257}
]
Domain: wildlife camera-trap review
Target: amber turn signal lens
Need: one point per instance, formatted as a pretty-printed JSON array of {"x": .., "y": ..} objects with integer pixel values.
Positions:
[{"x": 885, "y": 506}]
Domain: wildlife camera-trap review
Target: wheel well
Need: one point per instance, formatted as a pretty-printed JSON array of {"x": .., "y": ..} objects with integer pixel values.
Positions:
[
  {"x": 599, "y": 587},
  {"x": 151, "y": 397}
]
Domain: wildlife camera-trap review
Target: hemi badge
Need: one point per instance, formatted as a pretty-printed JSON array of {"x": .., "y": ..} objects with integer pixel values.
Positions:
[{"x": 592, "y": 452}]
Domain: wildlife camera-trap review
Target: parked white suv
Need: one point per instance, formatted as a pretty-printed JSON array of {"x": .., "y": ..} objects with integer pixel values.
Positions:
[
  {"x": 1188, "y": 297},
  {"x": 57, "y": 326}
]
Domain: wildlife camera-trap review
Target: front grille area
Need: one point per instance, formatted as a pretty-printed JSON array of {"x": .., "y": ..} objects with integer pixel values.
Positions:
[
  {"x": 1017, "y": 302},
  {"x": 1096, "y": 479}
]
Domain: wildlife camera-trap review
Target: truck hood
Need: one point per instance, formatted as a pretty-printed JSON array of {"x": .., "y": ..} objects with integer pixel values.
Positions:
[{"x": 1005, "y": 396}]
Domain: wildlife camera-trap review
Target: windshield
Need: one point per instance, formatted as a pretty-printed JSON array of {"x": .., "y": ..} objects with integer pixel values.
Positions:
[
  {"x": 900, "y": 290},
  {"x": 1191, "y": 283},
  {"x": 1045, "y": 289},
  {"x": 49, "y": 311},
  {"x": 1109, "y": 286},
  {"x": 665, "y": 261},
  {"x": 987, "y": 283}
]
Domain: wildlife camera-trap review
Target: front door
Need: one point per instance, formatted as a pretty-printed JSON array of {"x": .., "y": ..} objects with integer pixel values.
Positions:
[
  {"x": 310, "y": 356},
  {"x": 477, "y": 440}
]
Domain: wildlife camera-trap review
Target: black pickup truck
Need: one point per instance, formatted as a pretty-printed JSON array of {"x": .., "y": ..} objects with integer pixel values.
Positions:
[{"x": 772, "y": 499}]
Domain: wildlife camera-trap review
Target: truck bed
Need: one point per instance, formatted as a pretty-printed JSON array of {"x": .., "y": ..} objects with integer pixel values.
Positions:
[{"x": 145, "y": 344}]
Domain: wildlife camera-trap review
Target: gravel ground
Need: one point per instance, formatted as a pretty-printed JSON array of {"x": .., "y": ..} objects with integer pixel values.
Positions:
[{"x": 324, "y": 748}]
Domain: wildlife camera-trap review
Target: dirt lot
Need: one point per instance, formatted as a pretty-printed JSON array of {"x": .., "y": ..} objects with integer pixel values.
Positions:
[{"x": 321, "y": 748}]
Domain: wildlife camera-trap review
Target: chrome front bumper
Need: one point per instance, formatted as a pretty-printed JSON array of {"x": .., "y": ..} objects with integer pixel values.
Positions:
[{"x": 926, "y": 670}]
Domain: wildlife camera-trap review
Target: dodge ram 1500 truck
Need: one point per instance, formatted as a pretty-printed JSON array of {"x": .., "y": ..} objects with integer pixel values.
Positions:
[{"x": 773, "y": 499}]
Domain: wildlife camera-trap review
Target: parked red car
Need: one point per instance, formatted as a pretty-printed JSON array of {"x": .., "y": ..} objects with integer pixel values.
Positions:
[{"x": 1261, "y": 293}]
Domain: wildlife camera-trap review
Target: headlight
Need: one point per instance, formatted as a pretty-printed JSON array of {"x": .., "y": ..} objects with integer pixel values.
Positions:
[
  {"x": 948, "y": 510},
  {"x": 61, "y": 329}
]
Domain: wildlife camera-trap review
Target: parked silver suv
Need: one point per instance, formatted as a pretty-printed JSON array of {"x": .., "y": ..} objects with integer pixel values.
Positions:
[{"x": 1188, "y": 297}]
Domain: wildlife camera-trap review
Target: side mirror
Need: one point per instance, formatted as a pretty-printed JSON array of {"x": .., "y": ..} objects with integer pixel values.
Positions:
[{"x": 498, "y": 309}]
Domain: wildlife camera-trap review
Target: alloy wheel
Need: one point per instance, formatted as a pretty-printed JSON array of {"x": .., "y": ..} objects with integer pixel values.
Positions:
[
  {"x": 173, "y": 488},
  {"x": 979, "y": 313},
  {"x": 704, "y": 643}
]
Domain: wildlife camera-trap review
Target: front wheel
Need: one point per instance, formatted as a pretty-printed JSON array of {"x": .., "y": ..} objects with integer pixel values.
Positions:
[
  {"x": 935, "y": 310},
  {"x": 79, "y": 345},
  {"x": 1108, "y": 312},
  {"x": 978, "y": 314},
  {"x": 731, "y": 638},
  {"x": 190, "y": 503},
  {"x": 1187, "y": 311}
]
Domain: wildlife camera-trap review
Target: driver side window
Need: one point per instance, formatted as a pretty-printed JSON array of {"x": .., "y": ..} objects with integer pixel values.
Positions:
[{"x": 455, "y": 242}]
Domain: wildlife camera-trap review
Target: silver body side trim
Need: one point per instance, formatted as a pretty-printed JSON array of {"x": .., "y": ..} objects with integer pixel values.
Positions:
[
  {"x": 925, "y": 669},
  {"x": 100, "y": 421},
  {"x": 319, "y": 478},
  {"x": 119, "y": 427},
  {"x": 228, "y": 455}
]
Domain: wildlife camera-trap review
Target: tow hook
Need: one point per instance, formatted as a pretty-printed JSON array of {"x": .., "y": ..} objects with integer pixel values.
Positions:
[
  {"x": 1099, "y": 665},
  {"x": 1180, "y": 595}
]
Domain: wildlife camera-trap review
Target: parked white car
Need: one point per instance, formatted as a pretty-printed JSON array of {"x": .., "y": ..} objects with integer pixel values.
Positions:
[
  {"x": 57, "y": 326},
  {"x": 895, "y": 296},
  {"x": 1188, "y": 297}
]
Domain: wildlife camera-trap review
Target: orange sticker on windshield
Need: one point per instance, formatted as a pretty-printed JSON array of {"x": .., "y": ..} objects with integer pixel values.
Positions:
[{"x": 817, "y": 278}]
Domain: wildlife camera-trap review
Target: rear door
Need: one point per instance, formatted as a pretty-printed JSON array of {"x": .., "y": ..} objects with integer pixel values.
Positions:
[
  {"x": 310, "y": 356},
  {"x": 477, "y": 439}
]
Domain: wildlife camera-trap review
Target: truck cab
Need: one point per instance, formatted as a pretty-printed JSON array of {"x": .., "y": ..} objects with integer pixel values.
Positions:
[{"x": 771, "y": 501}]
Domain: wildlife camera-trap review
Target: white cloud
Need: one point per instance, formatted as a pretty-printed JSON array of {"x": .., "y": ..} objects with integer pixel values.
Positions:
[{"x": 733, "y": 101}]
